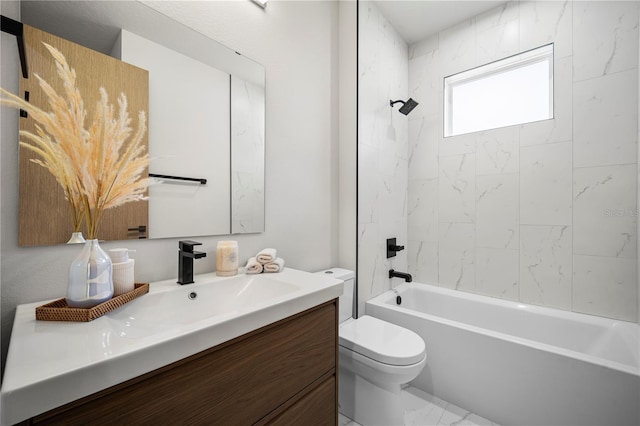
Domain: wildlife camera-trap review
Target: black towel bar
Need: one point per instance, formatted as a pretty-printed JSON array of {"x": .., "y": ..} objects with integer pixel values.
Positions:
[{"x": 188, "y": 179}]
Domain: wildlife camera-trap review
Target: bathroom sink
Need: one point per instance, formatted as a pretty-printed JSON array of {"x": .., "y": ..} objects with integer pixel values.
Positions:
[
  {"x": 188, "y": 304},
  {"x": 51, "y": 363}
]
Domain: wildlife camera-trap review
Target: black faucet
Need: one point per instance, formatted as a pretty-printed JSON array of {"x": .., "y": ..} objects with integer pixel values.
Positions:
[
  {"x": 185, "y": 260},
  {"x": 405, "y": 276}
]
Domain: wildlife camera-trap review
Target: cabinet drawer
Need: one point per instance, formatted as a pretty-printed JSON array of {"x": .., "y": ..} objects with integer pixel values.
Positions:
[
  {"x": 235, "y": 383},
  {"x": 317, "y": 408}
]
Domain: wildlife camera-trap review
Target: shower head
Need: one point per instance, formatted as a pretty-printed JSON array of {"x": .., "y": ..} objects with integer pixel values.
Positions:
[{"x": 407, "y": 106}]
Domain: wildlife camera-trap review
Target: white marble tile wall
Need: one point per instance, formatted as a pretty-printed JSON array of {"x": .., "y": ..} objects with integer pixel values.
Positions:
[
  {"x": 638, "y": 197},
  {"x": 247, "y": 157},
  {"x": 545, "y": 212},
  {"x": 383, "y": 156}
]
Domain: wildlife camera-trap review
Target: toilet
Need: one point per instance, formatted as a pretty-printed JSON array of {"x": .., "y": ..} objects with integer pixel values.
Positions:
[{"x": 376, "y": 358}]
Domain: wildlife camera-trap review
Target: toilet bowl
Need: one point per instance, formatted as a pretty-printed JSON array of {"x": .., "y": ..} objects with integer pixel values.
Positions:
[
  {"x": 384, "y": 353},
  {"x": 376, "y": 358}
]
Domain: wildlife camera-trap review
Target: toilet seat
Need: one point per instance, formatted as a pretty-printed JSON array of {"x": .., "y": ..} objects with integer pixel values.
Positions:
[{"x": 382, "y": 341}]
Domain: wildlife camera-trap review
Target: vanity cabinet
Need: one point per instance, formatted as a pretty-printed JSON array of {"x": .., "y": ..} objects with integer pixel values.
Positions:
[{"x": 281, "y": 374}]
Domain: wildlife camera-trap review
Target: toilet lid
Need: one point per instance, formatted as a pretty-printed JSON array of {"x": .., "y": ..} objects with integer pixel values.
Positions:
[{"x": 382, "y": 341}]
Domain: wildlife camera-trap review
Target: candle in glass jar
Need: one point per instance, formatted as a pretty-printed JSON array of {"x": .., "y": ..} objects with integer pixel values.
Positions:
[{"x": 227, "y": 258}]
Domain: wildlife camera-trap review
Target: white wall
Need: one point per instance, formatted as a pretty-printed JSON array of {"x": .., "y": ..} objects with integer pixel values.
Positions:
[
  {"x": 542, "y": 213},
  {"x": 297, "y": 44},
  {"x": 348, "y": 36},
  {"x": 382, "y": 152}
]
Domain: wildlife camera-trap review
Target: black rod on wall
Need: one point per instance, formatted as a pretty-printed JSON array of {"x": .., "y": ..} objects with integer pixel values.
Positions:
[
  {"x": 188, "y": 179},
  {"x": 13, "y": 27}
]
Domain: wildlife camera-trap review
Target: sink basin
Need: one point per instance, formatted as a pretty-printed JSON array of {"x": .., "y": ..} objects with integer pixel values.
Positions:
[
  {"x": 188, "y": 304},
  {"x": 52, "y": 363}
]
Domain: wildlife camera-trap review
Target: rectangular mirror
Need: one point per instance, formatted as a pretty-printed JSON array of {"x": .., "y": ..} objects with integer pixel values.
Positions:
[{"x": 215, "y": 133}]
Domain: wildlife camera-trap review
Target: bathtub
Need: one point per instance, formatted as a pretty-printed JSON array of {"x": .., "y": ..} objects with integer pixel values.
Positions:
[{"x": 518, "y": 364}]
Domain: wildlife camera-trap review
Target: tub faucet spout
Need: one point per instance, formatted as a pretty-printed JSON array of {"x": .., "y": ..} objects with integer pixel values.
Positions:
[{"x": 403, "y": 275}]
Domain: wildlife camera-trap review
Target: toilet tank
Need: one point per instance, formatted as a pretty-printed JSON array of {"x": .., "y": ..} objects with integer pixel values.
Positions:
[{"x": 347, "y": 298}]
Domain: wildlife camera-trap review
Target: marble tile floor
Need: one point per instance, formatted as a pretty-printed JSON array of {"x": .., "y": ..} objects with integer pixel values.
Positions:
[{"x": 423, "y": 409}]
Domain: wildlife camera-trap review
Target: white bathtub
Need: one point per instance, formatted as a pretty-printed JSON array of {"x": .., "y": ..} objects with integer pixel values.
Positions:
[{"x": 519, "y": 364}]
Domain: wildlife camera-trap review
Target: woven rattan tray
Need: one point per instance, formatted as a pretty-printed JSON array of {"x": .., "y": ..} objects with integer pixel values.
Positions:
[{"x": 58, "y": 310}]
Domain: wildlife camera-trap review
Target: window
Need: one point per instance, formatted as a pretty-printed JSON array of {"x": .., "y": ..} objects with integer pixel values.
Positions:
[{"x": 514, "y": 90}]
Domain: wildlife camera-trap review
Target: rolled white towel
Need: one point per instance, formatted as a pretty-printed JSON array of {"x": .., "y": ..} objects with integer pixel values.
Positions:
[
  {"x": 253, "y": 266},
  {"x": 276, "y": 266},
  {"x": 266, "y": 255}
]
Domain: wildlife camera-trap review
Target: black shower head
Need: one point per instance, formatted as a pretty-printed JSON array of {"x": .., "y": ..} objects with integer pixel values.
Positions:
[{"x": 406, "y": 107}]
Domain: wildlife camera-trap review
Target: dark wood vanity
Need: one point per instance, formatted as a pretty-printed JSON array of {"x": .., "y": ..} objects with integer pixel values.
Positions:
[{"x": 281, "y": 374}]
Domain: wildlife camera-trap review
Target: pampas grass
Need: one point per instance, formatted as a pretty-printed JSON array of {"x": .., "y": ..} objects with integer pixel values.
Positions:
[{"x": 98, "y": 168}]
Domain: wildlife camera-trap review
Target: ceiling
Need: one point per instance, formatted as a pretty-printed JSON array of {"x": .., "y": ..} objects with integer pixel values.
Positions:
[{"x": 415, "y": 20}]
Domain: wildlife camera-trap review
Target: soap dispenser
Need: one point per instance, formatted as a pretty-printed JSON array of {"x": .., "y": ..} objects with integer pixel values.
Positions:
[{"x": 123, "y": 280}]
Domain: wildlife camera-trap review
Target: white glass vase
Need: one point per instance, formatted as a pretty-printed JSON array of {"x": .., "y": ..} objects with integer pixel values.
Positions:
[
  {"x": 90, "y": 277},
  {"x": 76, "y": 238}
]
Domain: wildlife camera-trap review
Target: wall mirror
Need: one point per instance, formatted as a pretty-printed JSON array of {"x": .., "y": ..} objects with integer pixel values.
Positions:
[{"x": 196, "y": 129}]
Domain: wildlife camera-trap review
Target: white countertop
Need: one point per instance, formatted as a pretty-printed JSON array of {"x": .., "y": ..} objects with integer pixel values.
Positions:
[{"x": 51, "y": 363}]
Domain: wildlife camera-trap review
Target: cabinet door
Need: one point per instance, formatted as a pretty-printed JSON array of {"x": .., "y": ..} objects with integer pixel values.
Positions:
[{"x": 45, "y": 218}]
